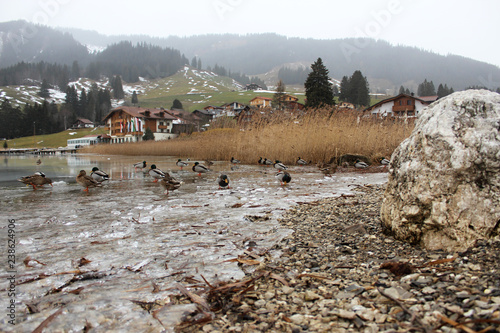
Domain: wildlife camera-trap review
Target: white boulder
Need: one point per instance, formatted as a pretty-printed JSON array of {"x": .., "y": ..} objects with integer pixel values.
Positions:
[{"x": 443, "y": 190}]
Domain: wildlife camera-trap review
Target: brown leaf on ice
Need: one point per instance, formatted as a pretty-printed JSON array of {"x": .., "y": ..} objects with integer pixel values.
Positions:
[
  {"x": 83, "y": 261},
  {"x": 398, "y": 268},
  {"x": 30, "y": 262},
  {"x": 237, "y": 205}
]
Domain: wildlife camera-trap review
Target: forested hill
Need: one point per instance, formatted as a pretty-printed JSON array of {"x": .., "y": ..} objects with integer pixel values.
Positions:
[
  {"x": 380, "y": 61},
  {"x": 386, "y": 66}
]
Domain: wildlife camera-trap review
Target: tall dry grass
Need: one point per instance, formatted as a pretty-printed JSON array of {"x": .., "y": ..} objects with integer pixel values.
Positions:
[{"x": 316, "y": 136}]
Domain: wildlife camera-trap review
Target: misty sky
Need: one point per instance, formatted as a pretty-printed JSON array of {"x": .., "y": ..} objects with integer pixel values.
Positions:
[{"x": 466, "y": 28}]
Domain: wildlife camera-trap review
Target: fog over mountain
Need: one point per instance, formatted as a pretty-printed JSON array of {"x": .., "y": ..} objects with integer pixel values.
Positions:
[{"x": 386, "y": 66}]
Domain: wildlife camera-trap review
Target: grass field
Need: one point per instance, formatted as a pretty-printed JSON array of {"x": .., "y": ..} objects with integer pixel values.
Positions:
[{"x": 54, "y": 140}]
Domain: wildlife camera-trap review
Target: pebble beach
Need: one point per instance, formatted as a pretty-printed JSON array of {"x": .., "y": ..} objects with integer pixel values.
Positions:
[{"x": 339, "y": 272}]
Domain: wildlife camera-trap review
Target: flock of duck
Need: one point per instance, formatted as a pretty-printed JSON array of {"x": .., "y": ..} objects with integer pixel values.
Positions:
[{"x": 169, "y": 183}]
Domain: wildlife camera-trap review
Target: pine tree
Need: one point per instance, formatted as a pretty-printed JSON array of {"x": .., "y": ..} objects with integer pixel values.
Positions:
[
  {"x": 117, "y": 86},
  {"x": 358, "y": 93},
  {"x": 134, "y": 100},
  {"x": 194, "y": 63},
  {"x": 318, "y": 87},
  {"x": 148, "y": 135},
  {"x": 176, "y": 104},
  {"x": 401, "y": 90},
  {"x": 344, "y": 88},
  {"x": 44, "y": 90},
  {"x": 279, "y": 95}
]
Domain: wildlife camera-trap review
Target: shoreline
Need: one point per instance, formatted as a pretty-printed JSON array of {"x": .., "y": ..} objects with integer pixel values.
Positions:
[{"x": 327, "y": 277}]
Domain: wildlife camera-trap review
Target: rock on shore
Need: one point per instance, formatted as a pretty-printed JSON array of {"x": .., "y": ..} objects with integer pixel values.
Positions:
[{"x": 339, "y": 273}]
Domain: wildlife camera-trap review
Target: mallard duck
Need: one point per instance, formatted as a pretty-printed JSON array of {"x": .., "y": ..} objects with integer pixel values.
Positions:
[
  {"x": 39, "y": 161},
  {"x": 284, "y": 177},
  {"x": 301, "y": 162},
  {"x": 200, "y": 168},
  {"x": 235, "y": 161},
  {"x": 360, "y": 164},
  {"x": 140, "y": 165},
  {"x": 280, "y": 166},
  {"x": 223, "y": 181},
  {"x": 209, "y": 163},
  {"x": 156, "y": 173},
  {"x": 384, "y": 161},
  {"x": 37, "y": 179},
  {"x": 99, "y": 175},
  {"x": 169, "y": 183},
  {"x": 268, "y": 162},
  {"x": 328, "y": 169},
  {"x": 181, "y": 163},
  {"x": 86, "y": 181},
  {"x": 261, "y": 161}
]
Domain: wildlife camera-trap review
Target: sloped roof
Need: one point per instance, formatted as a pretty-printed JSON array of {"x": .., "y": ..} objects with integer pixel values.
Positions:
[
  {"x": 387, "y": 100},
  {"x": 84, "y": 120},
  {"x": 139, "y": 112}
]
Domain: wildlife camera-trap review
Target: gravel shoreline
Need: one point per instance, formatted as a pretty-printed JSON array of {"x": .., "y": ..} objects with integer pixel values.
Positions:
[{"x": 338, "y": 272}]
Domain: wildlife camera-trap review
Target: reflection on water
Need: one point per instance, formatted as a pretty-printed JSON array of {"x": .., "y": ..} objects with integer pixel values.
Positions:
[{"x": 134, "y": 237}]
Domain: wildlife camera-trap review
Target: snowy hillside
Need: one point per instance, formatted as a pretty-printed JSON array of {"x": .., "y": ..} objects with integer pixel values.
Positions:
[{"x": 187, "y": 81}]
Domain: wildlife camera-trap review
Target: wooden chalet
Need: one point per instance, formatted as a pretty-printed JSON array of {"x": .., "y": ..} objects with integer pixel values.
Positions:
[
  {"x": 128, "y": 124},
  {"x": 260, "y": 102},
  {"x": 83, "y": 123},
  {"x": 402, "y": 105}
]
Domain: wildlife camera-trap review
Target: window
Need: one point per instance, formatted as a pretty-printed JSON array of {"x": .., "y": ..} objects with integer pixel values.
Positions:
[{"x": 408, "y": 102}]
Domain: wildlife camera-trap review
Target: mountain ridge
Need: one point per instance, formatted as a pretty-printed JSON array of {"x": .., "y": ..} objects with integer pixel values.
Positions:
[{"x": 386, "y": 67}]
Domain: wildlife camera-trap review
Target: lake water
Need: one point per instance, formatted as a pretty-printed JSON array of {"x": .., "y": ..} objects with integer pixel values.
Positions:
[{"x": 99, "y": 255}]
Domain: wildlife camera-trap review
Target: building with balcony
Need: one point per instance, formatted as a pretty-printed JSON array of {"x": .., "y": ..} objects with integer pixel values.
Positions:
[
  {"x": 128, "y": 124},
  {"x": 402, "y": 105}
]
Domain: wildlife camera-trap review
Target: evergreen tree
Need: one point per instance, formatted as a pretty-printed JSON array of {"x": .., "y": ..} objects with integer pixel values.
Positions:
[
  {"x": 426, "y": 88},
  {"x": 44, "y": 90},
  {"x": 318, "y": 87},
  {"x": 75, "y": 71},
  {"x": 5, "y": 145},
  {"x": 194, "y": 63},
  {"x": 279, "y": 95},
  {"x": 82, "y": 104},
  {"x": 344, "y": 88},
  {"x": 198, "y": 65},
  {"x": 358, "y": 93},
  {"x": 176, "y": 104},
  {"x": 134, "y": 100},
  {"x": 148, "y": 135},
  {"x": 117, "y": 87},
  {"x": 401, "y": 90}
]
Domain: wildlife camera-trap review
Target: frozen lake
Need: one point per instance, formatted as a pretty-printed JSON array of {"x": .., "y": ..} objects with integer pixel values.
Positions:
[{"x": 98, "y": 255}]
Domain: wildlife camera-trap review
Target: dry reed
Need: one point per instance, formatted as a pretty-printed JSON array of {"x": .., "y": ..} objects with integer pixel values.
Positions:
[{"x": 317, "y": 136}]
